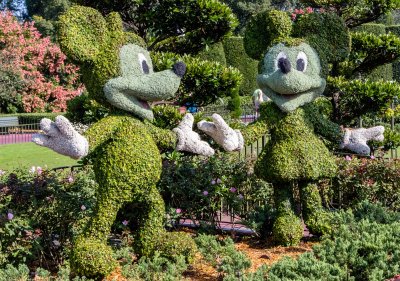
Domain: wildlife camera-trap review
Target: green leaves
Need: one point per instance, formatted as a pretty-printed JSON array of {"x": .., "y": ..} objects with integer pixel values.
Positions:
[
  {"x": 370, "y": 51},
  {"x": 204, "y": 81},
  {"x": 359, "y": 97}
]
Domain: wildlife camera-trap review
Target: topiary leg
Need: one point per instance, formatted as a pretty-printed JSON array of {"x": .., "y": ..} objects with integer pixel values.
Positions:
[
  {"x": 287, "y": 229},
  {"x": 150, "y": 221},
  {"x": 315, "y": 217},
  {"x": 127, "y": 167}
]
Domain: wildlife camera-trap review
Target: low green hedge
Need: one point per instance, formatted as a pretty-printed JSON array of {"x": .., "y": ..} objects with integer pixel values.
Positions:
[{"x": 31, "y": 118}]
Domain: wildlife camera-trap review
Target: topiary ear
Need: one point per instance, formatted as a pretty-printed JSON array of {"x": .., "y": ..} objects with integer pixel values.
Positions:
[
  {"x": 83, "y": 32},
  {"x": 263, "y": 30},
  {"x": 327, "y": 34}
]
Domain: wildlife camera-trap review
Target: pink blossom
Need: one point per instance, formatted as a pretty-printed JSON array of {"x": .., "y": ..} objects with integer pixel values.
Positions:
[
  {"x": 205, "y": 192},
  {"x": 293, "y": 16},
  {"x": 10, "y": 216},
  {"x": 125, "y": 222},
  {"x": 2, "y": 173},
  {"x": 232, "y": 189},
  {"x": 83, "y": 207},
  {"x": 39, "y": 170},
  {"x": 48, "y": 80},
  {"x": 348, "y": 158},
  {"x": 219, "y": 181},
  {"x": 70, "y": 179},
  {"x": 178, "y": 211},
  {"x": 240, "y": 196},
  {"x": 309, "y": 10},
  {"x": 372, "y": 157},
  {"x": 213, "y": 182}
]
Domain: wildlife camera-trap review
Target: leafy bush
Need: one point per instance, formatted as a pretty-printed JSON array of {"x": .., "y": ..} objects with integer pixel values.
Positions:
[
  {"x": 361, "y": 246},
  {"x": 194, "y": 186},
  {"x": 11, "y": 86},
  {"x": 166, "y": 116},
  {"x": 376, "y": 180},
  {"x": 223, "y": 255},
  {"x": 204, "y": 81},
  {"x": 155, "y": 268},
  {"x": 48, "y": 80},
  {"x": 39, "y": 213},
  {"x": 85, "y": 110}
]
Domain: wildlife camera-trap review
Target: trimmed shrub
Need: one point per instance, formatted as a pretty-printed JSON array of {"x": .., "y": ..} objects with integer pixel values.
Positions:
[
  {"x": 395, "y": 29},
  {"x": 237, "y": 57},
  {"x": 382, "y": 72},
  {"x": 373, "y": 28},
  {"x": 31, "y": 118},
  {"x": 214, "y": 52}
]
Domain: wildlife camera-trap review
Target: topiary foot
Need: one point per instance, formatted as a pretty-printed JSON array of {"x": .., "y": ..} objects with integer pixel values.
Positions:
[
  {"x": 319, "y": 223},
  {"x": 287, "y": 230},
  {"x": 92, "y": 259}
]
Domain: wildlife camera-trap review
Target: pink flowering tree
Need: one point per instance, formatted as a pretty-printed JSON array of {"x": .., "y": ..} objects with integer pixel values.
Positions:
[{"x": 48, "y": 81}]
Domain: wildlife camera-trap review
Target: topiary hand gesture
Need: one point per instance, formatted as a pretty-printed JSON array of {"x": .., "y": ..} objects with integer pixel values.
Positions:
[
  {"x": 356, "y": 139},
  {"x": 61, "y": 137},
  {"x": 190, "y": 141},
  {"x": 224, "y": 135}
]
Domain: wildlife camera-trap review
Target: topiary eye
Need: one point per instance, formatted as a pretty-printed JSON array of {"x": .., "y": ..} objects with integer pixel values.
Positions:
[
  {"x": 281, "y": 56},
  {"x": 301, "y": 62},
  {"x": 143, "y": 63}
]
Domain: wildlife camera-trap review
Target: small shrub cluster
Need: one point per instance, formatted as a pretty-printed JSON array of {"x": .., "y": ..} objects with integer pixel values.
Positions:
[
  {"x": 40, "y": 211},
  {"x": 376, "y": 180},
  {"x": 193, "y": 187},
  {"x": 363, "y": 245},
  {"x": 223, "y": 255}
]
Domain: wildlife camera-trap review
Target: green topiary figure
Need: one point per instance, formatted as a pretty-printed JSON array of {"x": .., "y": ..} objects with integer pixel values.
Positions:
[
  {"x": 292, "y": 75},
  {"x": 124, "y": 146}
]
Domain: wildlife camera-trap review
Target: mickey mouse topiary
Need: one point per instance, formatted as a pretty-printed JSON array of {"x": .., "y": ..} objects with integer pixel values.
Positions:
[
  {"x": 294, "y": 63},
  {"x": 123, "y": 147}
]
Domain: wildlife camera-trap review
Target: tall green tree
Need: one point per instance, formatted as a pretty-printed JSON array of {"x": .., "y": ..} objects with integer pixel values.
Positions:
[
  {"x": 179, "y": 26},
  {"x": 45, "y": 14}
]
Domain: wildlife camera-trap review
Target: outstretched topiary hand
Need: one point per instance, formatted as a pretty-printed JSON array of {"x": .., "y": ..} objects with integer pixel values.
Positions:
[
  {"x": 61, "y": 137},
  {"x": 225, "y": 136},
  {"x": 356, "y": 139},
  {"x": 190, "y": 141}
]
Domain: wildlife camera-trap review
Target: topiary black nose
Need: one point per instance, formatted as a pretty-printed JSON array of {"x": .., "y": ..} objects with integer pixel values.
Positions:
[
  {"x": 179, "y": 68},
  {"x": 284, "y": 65}
]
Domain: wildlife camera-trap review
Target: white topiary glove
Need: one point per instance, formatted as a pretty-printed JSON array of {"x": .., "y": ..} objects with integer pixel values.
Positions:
[
  {"x": 225, "y": 136},
  {"x": 190, "y": 141},
  {"x": 61, "y": 137},
  {"x": 356, "y": 139}
]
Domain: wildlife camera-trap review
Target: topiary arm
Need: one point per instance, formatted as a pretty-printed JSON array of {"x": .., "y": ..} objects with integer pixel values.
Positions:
[
  {"x": 322, "y": 125},
  {"x": 164, "y": 138},
  {"x": 254, "y": 131}
]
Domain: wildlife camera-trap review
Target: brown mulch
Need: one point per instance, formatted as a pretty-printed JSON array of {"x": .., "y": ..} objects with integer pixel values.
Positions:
[{"x": 259, "y": 254}]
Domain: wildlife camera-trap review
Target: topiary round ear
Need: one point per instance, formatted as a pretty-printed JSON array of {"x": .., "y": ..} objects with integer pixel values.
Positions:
[
  {"x": 263, "y": 30},
  {"x": 327, "y": 34},
  {"x": 83, "y": 32}
]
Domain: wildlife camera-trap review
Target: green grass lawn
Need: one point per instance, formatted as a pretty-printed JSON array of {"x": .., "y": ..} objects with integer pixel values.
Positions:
[{"x": 26, "y": 155}]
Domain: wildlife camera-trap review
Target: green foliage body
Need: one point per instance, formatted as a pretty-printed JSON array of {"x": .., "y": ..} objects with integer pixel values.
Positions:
[{"x": 294, "y": 62}]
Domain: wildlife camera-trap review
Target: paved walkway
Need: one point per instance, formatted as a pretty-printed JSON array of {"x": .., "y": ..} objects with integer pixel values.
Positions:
[{"x": 15, "y": 138}]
